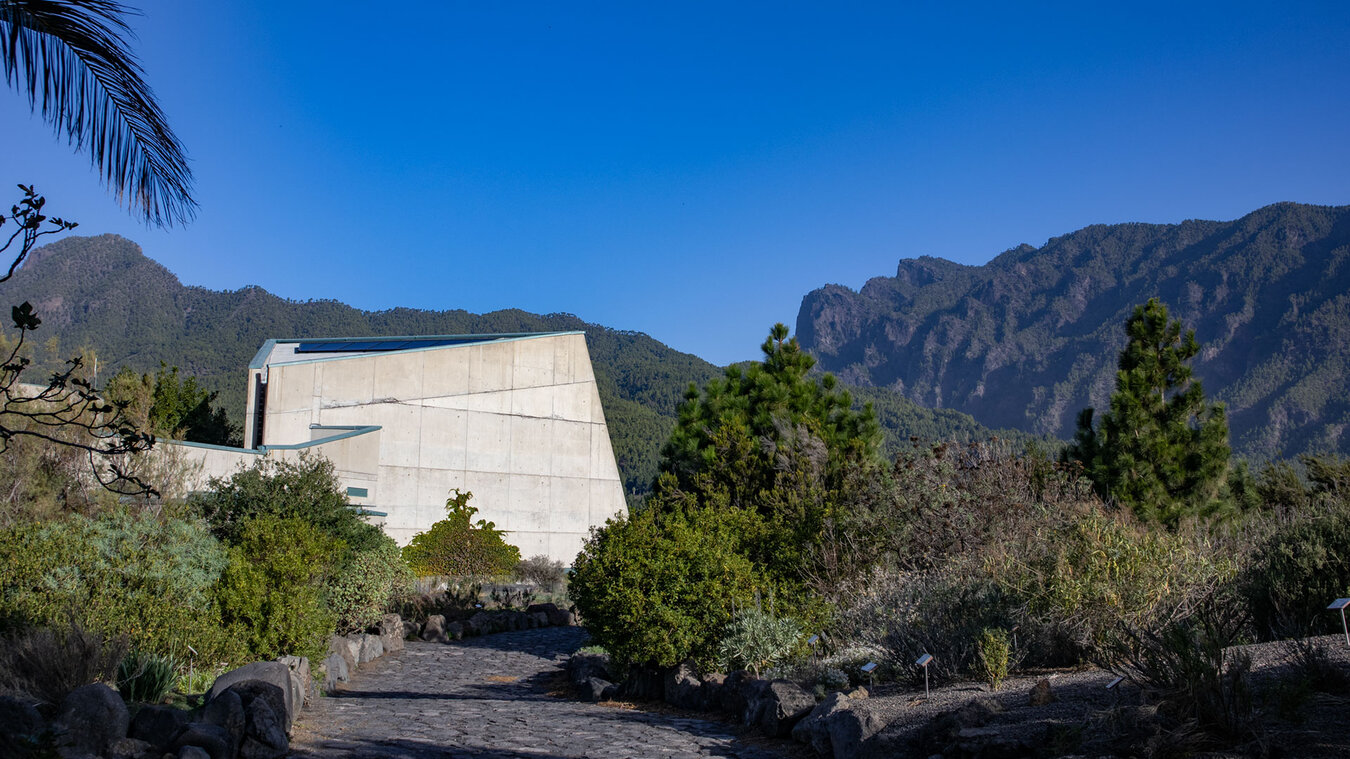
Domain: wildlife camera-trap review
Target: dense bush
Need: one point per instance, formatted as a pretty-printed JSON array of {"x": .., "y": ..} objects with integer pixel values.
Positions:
[
  {"x": 541, "y": 571},
  {"x": 47, "y": 663},
  {"x": 1297, "y": 571},
  {"x": 658, "y": 588},
  {"x": 457, "y": 545},
  {"x": 122, "y": 573},
  {"x": 367, "y": 585},
  {"x": 271, "y": 594}
]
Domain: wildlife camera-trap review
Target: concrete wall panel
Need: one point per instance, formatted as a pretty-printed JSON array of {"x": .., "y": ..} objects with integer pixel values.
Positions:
[
  {"x": 348, "y": 381},
  {"x": 444, "y": 439},
  {"x": 572, "y": 402},
  {"x": 489, "y": 443},
  {"x": 571, "y": 453},
  {"x": 533, "y": 364},
  {"x": 399, "y": 376},
  {"x": 445, "y": 372},
  {"x": 532, "y": 401},
  {"x": 531, "y": 445},
  {"x": 490, "y": 367}
]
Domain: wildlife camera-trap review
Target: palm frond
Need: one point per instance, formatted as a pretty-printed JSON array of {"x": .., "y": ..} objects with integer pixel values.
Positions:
[{"x": 70, "y": 57}]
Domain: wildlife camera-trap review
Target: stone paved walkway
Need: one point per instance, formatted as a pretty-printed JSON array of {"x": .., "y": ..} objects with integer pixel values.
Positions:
[{"x": 488, "y": 698}]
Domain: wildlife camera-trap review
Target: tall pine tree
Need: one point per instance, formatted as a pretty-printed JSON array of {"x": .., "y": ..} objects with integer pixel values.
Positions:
[{"x": 1160, "y": 450}]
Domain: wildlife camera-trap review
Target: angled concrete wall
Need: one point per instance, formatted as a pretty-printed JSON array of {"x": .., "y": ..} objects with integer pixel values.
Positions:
[{"x": 517, "y": 422}]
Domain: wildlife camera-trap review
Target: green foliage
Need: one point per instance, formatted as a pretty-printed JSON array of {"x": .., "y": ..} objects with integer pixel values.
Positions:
[
  {"x": 146, "y": 678},
  {"x": 994, "y": 650},
  {"x": 1160, "y": 450},
  {"x": 659, "y": 588},
  {"x": 172, "y": 406},
  {"x": 756, "y": 640},
  {"x": 457, "y": 545},
  {"x": 271, "y": 594},
  {"x": 1297, "y": 571},
  {"x": 307, "y": 490},
  {"x": 367, "y": 585},
  {"x": 134, "y": 574},
  {"x": 541, "y": 571}
]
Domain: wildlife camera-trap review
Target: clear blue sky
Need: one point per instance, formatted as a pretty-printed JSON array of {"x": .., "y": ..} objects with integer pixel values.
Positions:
[{"x": 691, "y": 170}]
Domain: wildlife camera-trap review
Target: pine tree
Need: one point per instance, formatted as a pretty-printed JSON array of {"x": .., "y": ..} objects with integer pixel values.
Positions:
[{"x": 1160, "y": 450}]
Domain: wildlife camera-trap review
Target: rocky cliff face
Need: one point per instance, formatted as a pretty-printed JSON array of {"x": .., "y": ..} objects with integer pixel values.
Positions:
[{"x": 1028, "y": 339}]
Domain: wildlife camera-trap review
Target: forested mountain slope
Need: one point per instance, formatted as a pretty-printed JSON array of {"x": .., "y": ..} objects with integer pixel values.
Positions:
[
  {"x": 102, "y": 293},
  {"x": 1030, "y": 338}
]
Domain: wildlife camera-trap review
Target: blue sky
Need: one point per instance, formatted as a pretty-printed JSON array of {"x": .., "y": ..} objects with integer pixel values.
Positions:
[{"x": 691, "y": 170}]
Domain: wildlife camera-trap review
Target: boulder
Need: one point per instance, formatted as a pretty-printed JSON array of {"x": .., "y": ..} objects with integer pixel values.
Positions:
[
  {"x": 19, "y": 718},
  {"x": 434, "y": 630},
  {"x": 158, "y": 725},
  {"x": 267, "y": 679},
  {"x": 481, "y": 623},
  {"x": 813, "y": 730},
  {"x": 340, "y": 646},
  {"x": 751, "y": 693},
  {"x": 712, "y": 689},
  {"x": 334, "y": 671},
  {"x": 128, "y": 748},
  {"x": 643, "y": 683},
  {"x": 264, "y": 733},
  {"x": 597, "y": 689},
  {"x": 850, "y": 728},
  {"x": 91, "y": 717},
  {"x": 227, "y": 711},
  {"x": 540, "y": 618},
  {"x": 731, "y": 698},
  {"x": 371, "y": 648},
  {"x": 1041, "y": 693},
  {"x": 783, "y": 704},
  {"x": 391, "y": 632},
  {"x": 682, "y": 687},
  {"x": 211, "y": 738},
  {"x": 555, "y": 616},
  {"x": 1001, "y": 742},
  {"x": 583, "y": 667},
  {"x": 300, "y": 679},
  {"x": 454, "y": 631},
  {"x": 942, "y": 731},
  {"x": 193, "y": 752}
]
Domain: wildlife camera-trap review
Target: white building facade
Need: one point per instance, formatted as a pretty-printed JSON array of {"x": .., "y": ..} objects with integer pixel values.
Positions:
[{"x": 514, "y": 419}]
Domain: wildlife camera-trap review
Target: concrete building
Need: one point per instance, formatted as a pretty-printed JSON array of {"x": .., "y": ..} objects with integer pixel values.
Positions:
[{"x": 515, "y": 419}]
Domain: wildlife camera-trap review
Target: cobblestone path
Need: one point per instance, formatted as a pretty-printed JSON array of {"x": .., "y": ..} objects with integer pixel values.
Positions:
[{"x": 488, "y": 698}]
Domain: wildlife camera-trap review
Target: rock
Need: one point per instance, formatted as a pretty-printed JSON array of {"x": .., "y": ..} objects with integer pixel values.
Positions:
[
  {"x": 849, "y": 728},
  {"x": 454, "y": 631},
  {"x": 227, "y": 711},
  {"x": 597, "y": 689},
  {"x": 859, "y": 693},
  {"x": 1041, "y": 694},
  {"x": 300, "y": 679},
  {"x": 481, "y": 623},
  {"x": 264, "y": 735},
  {"x": 338, "y": 645},
  {"x": 940, "y": 734},
  {"x": 371, "y": 648},
  {"x": 681, "y": 687},
  {"x": 19, "y": 718},
  {"x": 91, "y": 717},
  {"x": 1005, "y": 742},
  {"x": 813, "y": 729},
  {"x": 643, "y": 683},
  {"x": 193, "y": 752},
  {"x": 434, "y": 630},
  {"x": 785, "y": 702},
  {"x": 540, "y": 618},
  {"x": 731, "y": 699},
  {"x": 712, "y": 689},
  {"x": 334, "y": 671},
  {"x": 582, "y": 667},
  {"x": 268, "y": 679},
  {"x": 391, "y": 632},
  {"x": 750, "y": 692},
  {"x": 211, "y": 738},
  {"x": 555, "y": 616},
  {"x": 128, "y": 748},
  {"x": 158, "y": 725}
]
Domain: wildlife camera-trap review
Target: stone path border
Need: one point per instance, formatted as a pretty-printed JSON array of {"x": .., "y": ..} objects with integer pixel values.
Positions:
[{"x": 489, "y": 698}]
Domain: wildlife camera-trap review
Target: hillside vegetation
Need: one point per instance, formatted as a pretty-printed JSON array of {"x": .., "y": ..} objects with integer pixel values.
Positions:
[
  {"x": 1030, "y": 338},
  {"x": 103, "y": 294}
]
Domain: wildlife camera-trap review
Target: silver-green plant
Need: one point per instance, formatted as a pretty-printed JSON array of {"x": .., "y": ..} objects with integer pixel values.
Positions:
[
  {"x": 146, "y": 678},
  {"x": 756, "y": 640}
]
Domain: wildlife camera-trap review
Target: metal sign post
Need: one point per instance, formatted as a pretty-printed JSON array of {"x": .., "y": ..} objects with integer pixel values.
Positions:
[
  {"x": 812, "y": 641},
  {"x": 923, "y": 662},
  {"x": 1340, "y": 604},
  {"x": 869, "y": 668}
]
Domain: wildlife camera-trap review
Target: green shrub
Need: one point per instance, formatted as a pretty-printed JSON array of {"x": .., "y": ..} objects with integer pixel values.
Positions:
[
  {"x": 756, "y": 640},
  {"x": 994, "y": 649},
  {"x": 658, "y": 589},
  {"x": 137, "y": 575},
  {"x": 1297, "y": 571},
  {"x": 367, "y": 585},
  {"x": 457, "y": 545},
  {"x": 271, "y": 594},
  {"x": 145, "y": 678},
  {"x": 542, "y": 572}
]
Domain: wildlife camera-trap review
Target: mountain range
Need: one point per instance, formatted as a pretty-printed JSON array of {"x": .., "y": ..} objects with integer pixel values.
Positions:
[
  {"x": 1030, "y": 338},
  {"x": 102, "y": 295}
]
